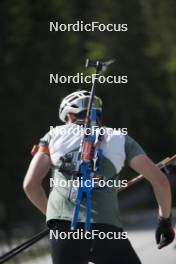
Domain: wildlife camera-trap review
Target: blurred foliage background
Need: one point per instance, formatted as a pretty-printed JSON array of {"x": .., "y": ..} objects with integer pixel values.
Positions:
[{"x": 29, "y": 52}]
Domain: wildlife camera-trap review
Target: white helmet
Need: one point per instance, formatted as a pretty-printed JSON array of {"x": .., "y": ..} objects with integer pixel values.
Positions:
[{"x": 77, "y": 102}]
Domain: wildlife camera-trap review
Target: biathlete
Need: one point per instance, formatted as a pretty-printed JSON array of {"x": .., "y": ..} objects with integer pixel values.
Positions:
[{"x": 58, "y": 151}]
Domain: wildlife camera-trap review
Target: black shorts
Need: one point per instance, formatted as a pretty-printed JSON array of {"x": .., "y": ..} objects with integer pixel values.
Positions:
[{"x": 68, "y": 250}]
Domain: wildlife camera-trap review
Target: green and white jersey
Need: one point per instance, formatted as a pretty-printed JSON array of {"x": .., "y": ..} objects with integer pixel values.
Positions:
[{"x": 63, "y": 143}]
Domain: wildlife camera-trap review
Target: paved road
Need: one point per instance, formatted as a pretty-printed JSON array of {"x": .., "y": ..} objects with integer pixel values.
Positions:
[{"x": 144, "y": 243}]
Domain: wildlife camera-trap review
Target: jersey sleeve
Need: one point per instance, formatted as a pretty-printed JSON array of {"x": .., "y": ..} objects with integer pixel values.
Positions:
[
  {"x": 43, "y": 145},
  {"x": 132, "y": 149},
  {"x": 45, "y": 140}
]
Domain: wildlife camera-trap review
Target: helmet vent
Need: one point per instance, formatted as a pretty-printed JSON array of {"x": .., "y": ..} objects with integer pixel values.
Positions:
[
  {"x": 75, "y": 106},
  {"x": 72, "y": 99},
  {"x": 87, "y": 93}
]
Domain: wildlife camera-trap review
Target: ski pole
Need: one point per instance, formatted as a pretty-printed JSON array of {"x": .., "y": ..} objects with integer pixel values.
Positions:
[{"x": 15, "y": 251}]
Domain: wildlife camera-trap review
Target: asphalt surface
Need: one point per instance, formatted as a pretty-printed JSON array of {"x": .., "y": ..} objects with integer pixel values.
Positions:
[{"x": 144, "y": 243}]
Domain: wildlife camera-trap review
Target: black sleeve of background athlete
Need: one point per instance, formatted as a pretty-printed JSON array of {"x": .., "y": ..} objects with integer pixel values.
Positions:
[{"x": 132, "y": 149}]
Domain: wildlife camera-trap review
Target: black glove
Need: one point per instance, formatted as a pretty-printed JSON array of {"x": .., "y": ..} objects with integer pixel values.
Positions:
[{"x": 164, "y": 233}]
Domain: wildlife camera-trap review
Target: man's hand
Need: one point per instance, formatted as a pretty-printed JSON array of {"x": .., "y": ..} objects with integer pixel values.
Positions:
[
  {"x": 164, "y": 233},
  {"x": 143, "y": 165}
]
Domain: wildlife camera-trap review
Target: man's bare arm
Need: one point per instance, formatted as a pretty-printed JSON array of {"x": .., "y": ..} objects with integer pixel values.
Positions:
[
  {"x": 32, "y": 184},
  {"x": 143, "y": 165}
]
